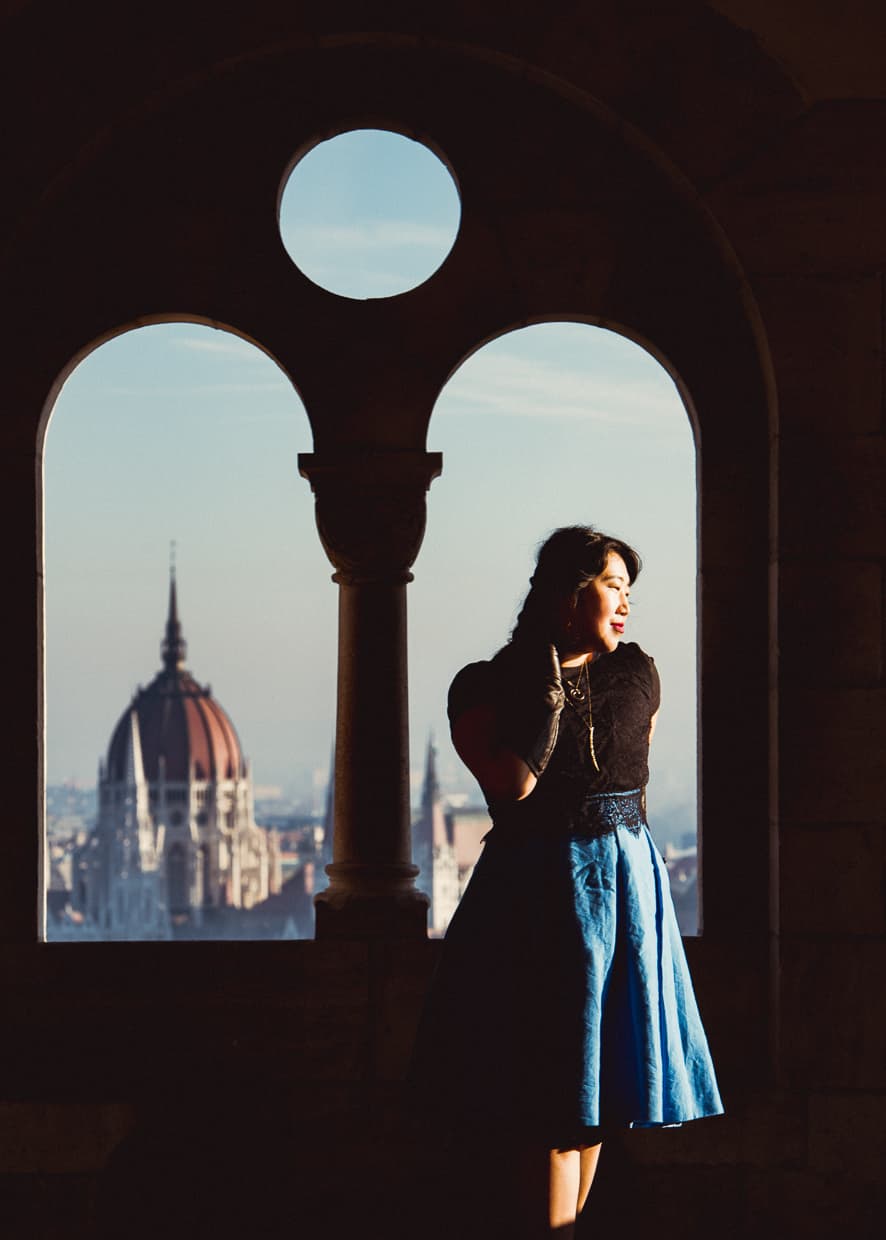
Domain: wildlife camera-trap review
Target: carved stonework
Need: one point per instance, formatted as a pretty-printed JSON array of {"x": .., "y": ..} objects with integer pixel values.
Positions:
[{"x": 370, "y": 511}]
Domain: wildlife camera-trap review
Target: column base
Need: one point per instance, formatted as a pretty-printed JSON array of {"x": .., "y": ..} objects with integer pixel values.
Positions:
[{"x": 371, "y": 902}]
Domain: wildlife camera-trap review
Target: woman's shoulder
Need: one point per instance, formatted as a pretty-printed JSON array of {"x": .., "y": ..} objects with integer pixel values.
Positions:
[
  {"x": 479, "y": 683},
  {"x": 635, "y": 662},
  {"x": 633, "y": 655},
  {"x": 470, "y": 687}
]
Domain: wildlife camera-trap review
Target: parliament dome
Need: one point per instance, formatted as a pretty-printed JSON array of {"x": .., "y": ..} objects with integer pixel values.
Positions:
[{"x": 185, "y": 734}]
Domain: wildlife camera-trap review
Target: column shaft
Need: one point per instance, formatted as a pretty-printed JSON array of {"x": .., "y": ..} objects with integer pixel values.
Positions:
[
  {"x": 372, "y": 818},
  {"x": 370, "y": 516}
]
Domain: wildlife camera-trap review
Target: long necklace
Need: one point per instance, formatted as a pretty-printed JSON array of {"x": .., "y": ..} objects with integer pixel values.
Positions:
[{"x": 574, "y": 695}]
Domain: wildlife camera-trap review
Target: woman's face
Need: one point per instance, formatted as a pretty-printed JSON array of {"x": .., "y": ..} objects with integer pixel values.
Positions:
[{"x": 601, "y": 609}]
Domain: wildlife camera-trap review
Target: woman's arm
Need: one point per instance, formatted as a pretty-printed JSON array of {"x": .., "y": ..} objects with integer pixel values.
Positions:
[
  {"x": 499, "y": 772},
  {"x": 504, "y": 718}
]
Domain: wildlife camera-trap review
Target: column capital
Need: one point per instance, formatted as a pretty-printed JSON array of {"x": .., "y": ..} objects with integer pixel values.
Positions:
[{"x": 370, "y": 510}]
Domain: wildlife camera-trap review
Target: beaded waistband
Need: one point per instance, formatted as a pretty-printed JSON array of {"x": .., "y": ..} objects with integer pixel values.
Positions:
[
  {"x": 588, "y": 816},
  {"x": 603, "y": 812}
]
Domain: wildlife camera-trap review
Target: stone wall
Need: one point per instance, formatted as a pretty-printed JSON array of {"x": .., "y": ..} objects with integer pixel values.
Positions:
[{"x": 692, "y": 175}]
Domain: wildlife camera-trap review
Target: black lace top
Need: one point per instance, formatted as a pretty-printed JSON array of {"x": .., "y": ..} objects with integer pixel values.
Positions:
[{"x": 624, "y": 695}]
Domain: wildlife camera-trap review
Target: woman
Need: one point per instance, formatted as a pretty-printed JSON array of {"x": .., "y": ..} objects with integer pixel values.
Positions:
[{"x": 562, "y": 1004}]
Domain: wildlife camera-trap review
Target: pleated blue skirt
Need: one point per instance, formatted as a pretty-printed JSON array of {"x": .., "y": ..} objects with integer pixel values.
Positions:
[{"x": 563, "y": 1000}]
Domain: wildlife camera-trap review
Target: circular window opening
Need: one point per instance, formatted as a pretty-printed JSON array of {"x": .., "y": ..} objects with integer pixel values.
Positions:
[{"x": 369, "y": 214}]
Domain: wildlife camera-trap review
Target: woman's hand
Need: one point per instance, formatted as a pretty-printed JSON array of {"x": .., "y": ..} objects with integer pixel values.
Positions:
[{"x": 530, "y": 697}]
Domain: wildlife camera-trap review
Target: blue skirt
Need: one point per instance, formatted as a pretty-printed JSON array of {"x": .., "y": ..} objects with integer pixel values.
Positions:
[{"x": 563, "y": 1000}]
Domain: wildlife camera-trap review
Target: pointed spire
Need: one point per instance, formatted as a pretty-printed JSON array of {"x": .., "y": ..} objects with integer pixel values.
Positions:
[
  {"x": 174, "y": 647},
  {"x": 430, "y": 792}
]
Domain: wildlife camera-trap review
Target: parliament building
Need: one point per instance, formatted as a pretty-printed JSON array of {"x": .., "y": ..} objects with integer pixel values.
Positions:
[{"x": 176, "y": 841}]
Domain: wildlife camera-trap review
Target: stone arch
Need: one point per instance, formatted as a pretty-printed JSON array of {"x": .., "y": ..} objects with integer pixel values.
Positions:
[
  {"x": 83, "y": 351},
  {"x": 597, "y": 225}
]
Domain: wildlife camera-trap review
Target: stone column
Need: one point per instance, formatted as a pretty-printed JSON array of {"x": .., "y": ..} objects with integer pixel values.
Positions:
[{"x": 371, "y": 519}]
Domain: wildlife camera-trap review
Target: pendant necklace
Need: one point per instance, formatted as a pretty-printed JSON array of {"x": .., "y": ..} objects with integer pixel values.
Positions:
[{"x": 574, "y": 695}]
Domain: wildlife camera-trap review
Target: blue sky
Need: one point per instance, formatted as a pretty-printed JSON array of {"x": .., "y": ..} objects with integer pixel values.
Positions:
[
  {"x": 182, "y": 432},
  {"x": 369, "y": 214}
]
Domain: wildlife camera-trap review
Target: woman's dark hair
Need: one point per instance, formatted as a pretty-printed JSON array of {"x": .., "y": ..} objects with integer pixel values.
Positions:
[{"x": 567, "y": 561}]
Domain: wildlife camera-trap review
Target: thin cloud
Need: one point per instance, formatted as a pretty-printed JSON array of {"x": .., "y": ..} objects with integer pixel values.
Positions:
[
  {"x": 174, "y": 391},
  {"x": 364, "y": 283},
  {"x": 230, "y": 346},
  {"x": 281, "y": 385},
  {"x": 379, "y": 234},
  {"x": 507, "y": 385}
]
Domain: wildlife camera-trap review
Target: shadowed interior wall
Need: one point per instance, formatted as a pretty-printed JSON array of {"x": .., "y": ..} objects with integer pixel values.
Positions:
[{"x": 692, "y": 176}]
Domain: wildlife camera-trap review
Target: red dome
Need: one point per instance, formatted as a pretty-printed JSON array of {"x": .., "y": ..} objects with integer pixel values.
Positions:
[{"x": 179, "y": 721}]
